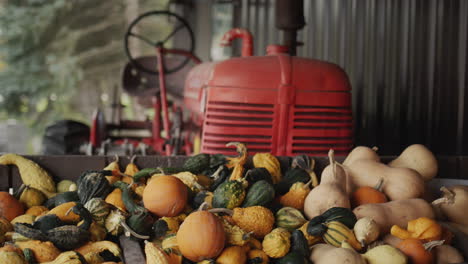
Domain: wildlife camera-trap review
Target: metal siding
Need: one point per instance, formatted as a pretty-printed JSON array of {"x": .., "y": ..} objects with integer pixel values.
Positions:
[{"x": 406, "y": 60}]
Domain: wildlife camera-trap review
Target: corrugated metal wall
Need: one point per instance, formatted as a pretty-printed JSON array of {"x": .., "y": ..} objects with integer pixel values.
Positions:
[{"x": 406, "y": 59}]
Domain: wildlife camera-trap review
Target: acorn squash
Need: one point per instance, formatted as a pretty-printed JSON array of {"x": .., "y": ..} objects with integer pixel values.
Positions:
[{"x": 260, "y": 193}]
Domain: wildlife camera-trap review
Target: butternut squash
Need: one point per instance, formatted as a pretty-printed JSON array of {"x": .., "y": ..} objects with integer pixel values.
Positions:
[
  {"x": 361, "y": 153},
  {"x": 395, "y": 212},
  {"x": 454, "y": 203},
  {"x": 327, "y": 254},
  {"x": 446, "y": 254},
  {"x": 400, "y": 183},
  {"x": 418, "y": 158},
  {"x": 331, "y": 192}
]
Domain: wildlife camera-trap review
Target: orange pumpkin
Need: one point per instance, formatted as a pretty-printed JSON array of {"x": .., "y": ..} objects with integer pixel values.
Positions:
[
  {"x": 165, "y": 196},
  {"x": 368, "y": 195},
  {"x": 201, "y": 236},
  {"x": 10, "y": 207},
  {"x": 417, "y": 252}
]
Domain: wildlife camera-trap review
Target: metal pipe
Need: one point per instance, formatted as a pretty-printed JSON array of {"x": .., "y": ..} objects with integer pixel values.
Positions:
[
  {"x": 245, "y": 35},
  {"x": 290, "y": 18}
]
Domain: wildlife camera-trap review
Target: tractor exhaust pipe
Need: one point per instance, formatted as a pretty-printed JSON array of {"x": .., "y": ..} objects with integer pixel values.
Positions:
[{"x": 290, "y": 18}]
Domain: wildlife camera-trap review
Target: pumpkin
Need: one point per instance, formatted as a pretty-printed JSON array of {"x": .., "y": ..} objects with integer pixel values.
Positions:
[
  {"x": 237, "y": 162},
  {"x": 30, "y": 197},
  {"x": 93, "y": 184},
  {"x": 256, "y": 219},
  {"x": 296, "y": 196},
  {"x": 10, "y": 207},
  {"x": 366, "y": 231},
  {"x": 165, "y": 196},
  {"x": 43, "y": 251},
  {"x": 269, "y": 162},
  {"x": 31, "y": 174},
  {"x": 422, "y": 228},
  {"x": 418, "y": 158},
  {"x": 257, "y": 256},
  {"x": 291, "y": 177},
  {"x": 337, "y": 232},
  {"x": 260, "y": 193},
  {"x": 115, "y": 198},
  {"x": 332, "y": 191},
  {"x": 99, "y": 210},
  {"x": 201, "y": 236},
  {"x": 229, "y": 194},
  {"x": 37, "y": 210},
  {"x": 232, "y": 255},
  {"x": 289, "y": 218},
  {"x": 277, "y": 243},
  {"x": 369, "y": 195},
  {"x": 417, "y": 252}
]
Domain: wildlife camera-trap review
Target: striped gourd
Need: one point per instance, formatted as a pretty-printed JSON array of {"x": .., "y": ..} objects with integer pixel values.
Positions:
[
  {"x": 289, "y": 218},
  {"x": 269, "y": 162},
  {"x": 99, "y": 209},
  {"x": 337, "y": 232}
]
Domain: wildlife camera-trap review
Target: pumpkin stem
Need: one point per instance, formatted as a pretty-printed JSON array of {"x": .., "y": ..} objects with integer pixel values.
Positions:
[
  {"x": 379, "y": 185},
  {"x": 129, "y": 231},
  {"x": 430, "y": 245},
  {"x": 221, "y": 210},
  {"x": 203, "y": 206},
  {"x": 375, "y": 148}
]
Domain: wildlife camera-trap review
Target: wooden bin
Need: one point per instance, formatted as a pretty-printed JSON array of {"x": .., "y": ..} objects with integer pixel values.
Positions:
[{"x": 452, "y": 170}]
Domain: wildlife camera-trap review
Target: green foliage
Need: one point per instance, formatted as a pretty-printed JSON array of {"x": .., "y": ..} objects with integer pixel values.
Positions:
[{"x": 37, "y": 77}]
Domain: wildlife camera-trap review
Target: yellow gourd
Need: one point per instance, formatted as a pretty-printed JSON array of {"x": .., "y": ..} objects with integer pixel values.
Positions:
[
  {"x": 234, "y": 234},
  {"x": 130, "y": 170},
  {"x": 422, "y": 228},
  {"x": 269, "y": 162},
  {"x": 277, "y": 243},
  {"x": 43, "y": 251},
  {"x": 37, "y": 210},
  {"x": 24, "y": 219},
  {"x": 11, "y": 258},
  {"x": 31, "y": 197},
  {"x": 154, "y": 254},
  {"x": 232, "y": 255},
  {"x": 237, "y": 162},
  {"x": 114, "y": 167},
  {"x": 296, "y": 196},
  {"x": 257, "y": 253},
  {"x": 98, "y": 247},
  {"x": 64, "y": 212},
  {"x": 311, "y": 240},
  {"x": 170, "y": 242},
  {"x": 68, "y": 257},
  {"x": 115, "y": 198},
  {"x": 31, "y": 173}
]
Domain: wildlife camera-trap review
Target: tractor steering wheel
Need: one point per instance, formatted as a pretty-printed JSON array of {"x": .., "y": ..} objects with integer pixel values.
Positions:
[{"x": 180, "y": 26}]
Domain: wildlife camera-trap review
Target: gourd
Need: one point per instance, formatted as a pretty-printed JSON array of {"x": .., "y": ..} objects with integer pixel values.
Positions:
[
  {"x": 311, "y": 240},
  {"x": 201, "y": 236},
  {"x": 337, "y": 232},
  {"x": 43, "y": 251},
  {"x": 5, "y": 225},
  {"x": 299, "y": 243},
  {"x": 202, "y": 197},
  {"x": 62, "y": 198},
  {"x": 93, "y": 184},
  {"x": 112, "y": 223},
  {"x": 453, "y": 203},
  {"x": 296, "y": 196},
  {"x": 316, "y": 226},
  {"x": 66, "y": 186},
  {"x": 277, "y": 243},
  {"x": 291, "y": 177},
  {"x": 219, "y": 176},
  {"x": 170, "y": 242},
  {"x": 361, "y": 153},
  {"x": 289, "y": 218},
  {"x": 31, "y": 173},
  {"x": 269, "y": 162},
  {"x": 165, "y": 196},
  {"x": 229, "y": 194},
  {"x": 237, "y": 163},
  {"x": 99, "y": 210},
  {"x": 167, "y": 225},
  {"x": 257, "y": 256},
  {"x": 130, "y": 170},
  {"x": 327, "y": 254},
  {"x": 98, "y": 247},
  {"x": 235, "y": 235},
  {"x": 384, "y": 254},
  {"x": 258, "y": 174},
  {"x": 30, "y": 197},
  {"x": 115, "y": 198},
  {"x": 417, "y": 252},
  {"x": 395, "y": 212},
  {"x": 391, "y": 240},
  {"x": 418, "y": 158},
  {"x": 446, "y": 254},
  {"x": 308, "y": 164},
  {"x": 400, "y": 183},
  {"x": 330, "y": 193},
  {"x": 10, "y": 207},
  {"x": 25, "y": 219},
  {"x": 12, "y": 258},
  {"x": 113, "y": 169},
  {"x": 63, "y": 212},
  {"x": 366, "y": 231},
  {"x": 197, "y": 164},
  {"x": 37, "y": 210},
  {"x": 189, "y": 179},
  {"x": 422, "y": 228},
  {"x": 367, "y": 195},
  {"x": 293, "y": 257},
  {"x": 256, "y": 219},
  {"x": 260, "y": 193},
  {"x": 232, "y": 255},
  {"x": 68, "y": 257},
  {"x": 154, "y": 254}
]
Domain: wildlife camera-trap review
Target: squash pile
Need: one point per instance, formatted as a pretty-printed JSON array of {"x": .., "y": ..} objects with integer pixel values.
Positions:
[{"x": 215, "y": 209}]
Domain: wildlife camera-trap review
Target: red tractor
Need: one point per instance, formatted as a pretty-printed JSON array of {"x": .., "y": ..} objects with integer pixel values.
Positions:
[{"x": 277, "y": 103}]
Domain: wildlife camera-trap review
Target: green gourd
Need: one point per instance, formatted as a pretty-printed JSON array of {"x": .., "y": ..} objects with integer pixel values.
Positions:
[
  {"x": 92, "y": 184},
  {"x": 317, "y": 227},
  {"x": 229, "y": 194},
  {"x": 289, "y": 218},
  {"x": 299, "y": 243},
  {"x": 290, "y": 177},
  {"x": 258, "y": 174},
  {"x": 99, "y": 209},
  {"x": 260, "y": 193}
]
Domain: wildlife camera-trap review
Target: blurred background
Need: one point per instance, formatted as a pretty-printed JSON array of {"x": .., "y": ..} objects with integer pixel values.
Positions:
[{"x": 406, "y": 60}]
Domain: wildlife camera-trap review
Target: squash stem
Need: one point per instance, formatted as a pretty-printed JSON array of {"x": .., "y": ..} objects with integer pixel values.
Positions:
[
  {"x": 430, "y": 245},
  {"x": 128, "y": 231},
  {"x": 448, "y": 193},
  {"x": 221, "y": 210},
  {"x": 440, "y": 201},
  {"x": 379, "y": 185},
  {"x": 375, "y": 148}
]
